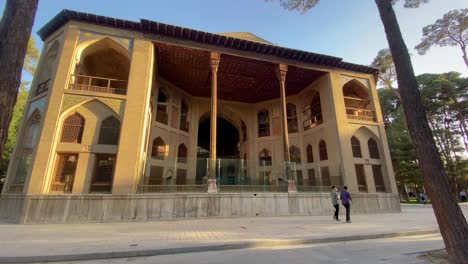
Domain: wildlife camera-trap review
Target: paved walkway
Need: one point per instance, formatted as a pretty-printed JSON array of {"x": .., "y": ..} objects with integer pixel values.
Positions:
[{"x": 78, "y": 239}]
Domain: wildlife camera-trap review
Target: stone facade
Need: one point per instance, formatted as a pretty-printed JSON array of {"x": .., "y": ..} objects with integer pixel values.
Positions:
[{"x": 108, "y": 123}]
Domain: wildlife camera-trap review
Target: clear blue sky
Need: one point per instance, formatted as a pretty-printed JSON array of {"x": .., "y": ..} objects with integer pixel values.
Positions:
[{"x": 350, "y": 29}]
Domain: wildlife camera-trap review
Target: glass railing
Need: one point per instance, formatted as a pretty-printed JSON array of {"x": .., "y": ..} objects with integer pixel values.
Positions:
[{"x": 231, "y": 175}]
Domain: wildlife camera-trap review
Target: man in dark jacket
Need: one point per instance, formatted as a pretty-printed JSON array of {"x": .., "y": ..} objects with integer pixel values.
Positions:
[{"x": 346, "y": 201}]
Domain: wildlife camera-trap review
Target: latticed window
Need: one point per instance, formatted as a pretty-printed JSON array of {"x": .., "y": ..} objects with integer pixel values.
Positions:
[
  {"x": 323, "y": 150},
  {"x": 310, "y": 154},
  {"x": 356, "y": 146},
  {"x": 73, "y": 127},
  {"x": 295, "y": 154},
  {"x": 184, "y": 124},
  {"x": 373, "y": 149},
  {"x": 103, "y": 173},
  {"x": 159, "y": 149},
  {"x": 110, "y": 131},
  {"x": 265, "y": 158},
  {"x": 244, "y": 131},
  {"x": 292, "y": 118},
  {"x": 325, "y": 173},
  {"x": 378, "y": 178},
  {"x": 65, "y": 173},
  {"x": 361, "y": 177},
  {"x": 182, "y": 154},
  {"x": 263, "y": 123},
  {"x": 161, "y": 110}
]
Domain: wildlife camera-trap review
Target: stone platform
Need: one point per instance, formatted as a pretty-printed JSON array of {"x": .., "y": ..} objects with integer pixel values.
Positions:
[{"x": 149, "y": 207}]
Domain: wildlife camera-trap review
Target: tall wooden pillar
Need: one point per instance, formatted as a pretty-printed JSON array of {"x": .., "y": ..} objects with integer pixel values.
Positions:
[
  {"x": 214, "y": 63},
  {"x": 281, "y": 72}
]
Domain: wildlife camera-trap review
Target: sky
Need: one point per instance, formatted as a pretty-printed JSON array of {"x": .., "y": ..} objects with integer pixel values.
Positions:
[{"x": 350, "y": 29}]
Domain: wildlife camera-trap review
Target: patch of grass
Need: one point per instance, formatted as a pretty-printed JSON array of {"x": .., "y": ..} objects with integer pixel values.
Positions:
[{"x": 413, "y": 201}]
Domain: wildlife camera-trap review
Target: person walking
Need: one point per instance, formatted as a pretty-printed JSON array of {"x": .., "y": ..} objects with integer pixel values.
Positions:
[
  {"x": 346, "y": 201},
  {"x": 334, "y": 200}
]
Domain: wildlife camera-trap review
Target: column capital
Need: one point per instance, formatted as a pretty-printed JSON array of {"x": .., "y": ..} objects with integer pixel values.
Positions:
[
  {"x": 214, "y": 60},
  {"x": 281, "y": 71}
]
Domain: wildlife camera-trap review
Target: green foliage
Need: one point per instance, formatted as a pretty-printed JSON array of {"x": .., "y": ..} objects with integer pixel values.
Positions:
[
  {"x": 445, "y": 97},
  {"x": 32, "y": 56},
  {"x": 450, "y": 30},
  {"x": 401, "y": 146},
  {"x": 13, "y": 129}
]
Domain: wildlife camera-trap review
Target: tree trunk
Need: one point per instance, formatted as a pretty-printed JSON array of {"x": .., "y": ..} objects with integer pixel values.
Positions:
[
  {"x": 452, "y": 223},
  {"x": 15, "y": 30},
  {"x": 465, "y": 59},
  {"x": 403, "y": 192}
]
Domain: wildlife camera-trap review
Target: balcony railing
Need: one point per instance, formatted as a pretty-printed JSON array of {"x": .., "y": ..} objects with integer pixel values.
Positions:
[
  {"x": 43, "y": 87},
  {"x": 97, "y": 84},
  {"x": 360, "y": 114},
  {"x": 312, "y": 122}
]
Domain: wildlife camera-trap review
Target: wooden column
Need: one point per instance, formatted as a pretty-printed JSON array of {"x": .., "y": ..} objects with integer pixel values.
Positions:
[
  {"x": 214, "y": 63},
  {"x": 281, "y": 72}
]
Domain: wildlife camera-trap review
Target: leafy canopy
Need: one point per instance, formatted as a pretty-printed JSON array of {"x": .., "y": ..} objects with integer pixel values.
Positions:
[
  {"x": 450, "y": 30},
  {"x": 305, "y": 5}
]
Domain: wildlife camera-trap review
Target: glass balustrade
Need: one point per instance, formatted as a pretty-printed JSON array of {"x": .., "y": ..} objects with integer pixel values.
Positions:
[{"x": 232, "y": 175}]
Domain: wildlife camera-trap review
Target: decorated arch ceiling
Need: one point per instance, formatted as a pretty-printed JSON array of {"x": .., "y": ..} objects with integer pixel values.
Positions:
[{"x": 239, "y": 79}]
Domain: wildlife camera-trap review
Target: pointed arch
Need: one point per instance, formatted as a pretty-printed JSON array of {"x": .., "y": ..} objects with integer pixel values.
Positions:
[
  {"x": 291, "y": 113},
  {"x": 184, "y": 113},
  {"x": 182, "y": 153},
  {"x": 28, "y": 144},
  {"x": 312, "y": 111},
  {"x": 357, "y": 101},
  {"x": 73, "y": 108},
  {"x": 103, "y": 65},
  {"x": 295, "y": 154},
  {"x": 356, "y": 147},
  {"x": 265, "y": 157},
  {"x": 162, "y": 115},
  {"x": 373, "y": 149},
  {"x": 310, "y": 153},
  {"x": 73, "y": 127},
  {"x": 263, "y": 119},
  {"x": 45, "y": 74},
  {"x": 158, "y": 149},
  {"x": 323, "y": 153},
  {"x": 110, "y": 131}
]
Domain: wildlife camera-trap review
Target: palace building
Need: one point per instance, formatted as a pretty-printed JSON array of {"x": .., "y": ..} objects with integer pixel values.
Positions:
[{"x": 135, "y": 121}]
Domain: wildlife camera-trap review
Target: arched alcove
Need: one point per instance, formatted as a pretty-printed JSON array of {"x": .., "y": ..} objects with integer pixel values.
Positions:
[
  {"x": 103, "y": 66},
  {"x": 357, "y": 101}
]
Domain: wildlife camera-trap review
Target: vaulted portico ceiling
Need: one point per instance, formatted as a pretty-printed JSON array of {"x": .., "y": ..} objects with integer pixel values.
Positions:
[{"x": 239, "y": 79}]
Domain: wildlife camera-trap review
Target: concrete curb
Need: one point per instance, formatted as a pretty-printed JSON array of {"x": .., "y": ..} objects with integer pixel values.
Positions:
[{"x": 206, "y": 248}]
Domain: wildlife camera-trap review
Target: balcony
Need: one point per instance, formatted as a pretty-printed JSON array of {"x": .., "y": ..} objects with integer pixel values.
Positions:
[
  {"x": 98, "y": 84},
  {"x": 360, "y": 114},
  {"x": 358, "y": 108},
  {"x": 43, "y": 87}
]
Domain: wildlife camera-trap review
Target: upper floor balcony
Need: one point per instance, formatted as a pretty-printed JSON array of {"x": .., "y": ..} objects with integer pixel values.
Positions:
[
  {"x": 97, "y": 84},
  {"x": 357, "y": 102}
]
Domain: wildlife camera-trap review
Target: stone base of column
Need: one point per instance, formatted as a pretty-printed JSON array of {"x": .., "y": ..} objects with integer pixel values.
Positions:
[
  {"x": 292, "y": 186},
  {"x": 212, "y": 187}
]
